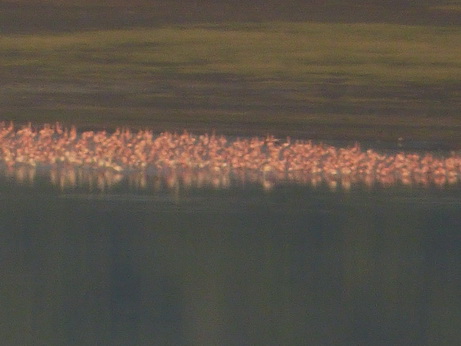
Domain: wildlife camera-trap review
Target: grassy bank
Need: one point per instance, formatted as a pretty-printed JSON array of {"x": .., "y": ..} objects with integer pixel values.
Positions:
[
  {"x": 361, "y": 53},
  {"x": 320, "y": 79}
]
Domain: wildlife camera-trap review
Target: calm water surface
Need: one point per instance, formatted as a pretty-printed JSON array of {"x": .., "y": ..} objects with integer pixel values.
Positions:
[{"x": 242, "y": 266}]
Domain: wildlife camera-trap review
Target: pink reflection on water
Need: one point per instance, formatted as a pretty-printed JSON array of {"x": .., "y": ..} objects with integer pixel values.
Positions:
[{"x": 101, "y": 160}]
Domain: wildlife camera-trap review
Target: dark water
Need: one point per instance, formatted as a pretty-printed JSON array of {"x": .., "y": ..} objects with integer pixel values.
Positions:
[{"x": 293, "y": 266}]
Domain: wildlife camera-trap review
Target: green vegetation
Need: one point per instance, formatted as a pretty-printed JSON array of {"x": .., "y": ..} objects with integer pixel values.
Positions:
[
  {"x": 318, "y": 80},
  {"x": 361, "y": 53}
]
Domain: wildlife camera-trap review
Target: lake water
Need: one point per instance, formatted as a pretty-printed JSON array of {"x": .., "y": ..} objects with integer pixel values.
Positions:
[
  {"x": 113, "y": 260},
  {"x": 295, "y": 265}
]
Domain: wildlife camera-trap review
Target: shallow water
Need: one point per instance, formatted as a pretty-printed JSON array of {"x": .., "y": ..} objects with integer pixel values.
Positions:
[{"x": 242, "y": 266}]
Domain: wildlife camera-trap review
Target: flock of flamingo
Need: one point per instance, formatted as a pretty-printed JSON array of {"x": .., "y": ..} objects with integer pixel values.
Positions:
[{"x": 102, "y": 159}]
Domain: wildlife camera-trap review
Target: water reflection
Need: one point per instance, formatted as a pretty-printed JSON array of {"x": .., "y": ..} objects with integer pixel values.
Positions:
[
  {"x": 297, "y": 266},
  {"x": 69, "y": 178}
]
